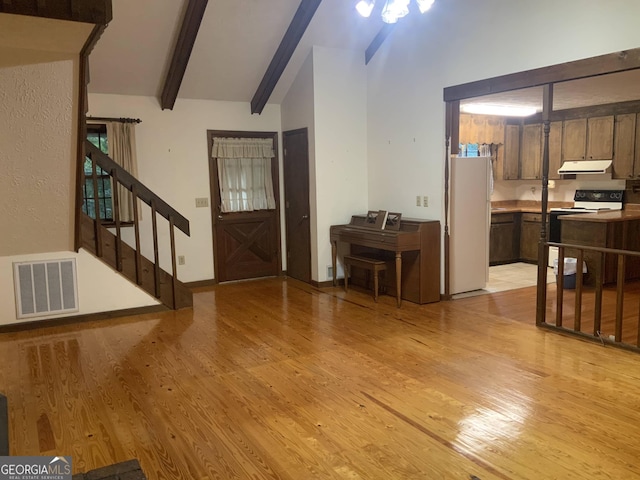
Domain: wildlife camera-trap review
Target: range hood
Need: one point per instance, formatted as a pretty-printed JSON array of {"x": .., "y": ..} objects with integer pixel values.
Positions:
[{"x": 585, "y": 166}]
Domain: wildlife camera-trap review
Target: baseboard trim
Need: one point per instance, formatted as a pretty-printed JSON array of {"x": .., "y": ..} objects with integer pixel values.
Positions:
[
  {"x": 4, "y": 426},
  {"x": 327, "y": 283},
  {"x": 56, "y": 322},
  {"x": 201, "y": 283}
]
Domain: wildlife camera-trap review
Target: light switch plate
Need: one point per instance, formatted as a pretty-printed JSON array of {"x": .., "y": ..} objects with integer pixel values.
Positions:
[{"x": 202, "y": 202}]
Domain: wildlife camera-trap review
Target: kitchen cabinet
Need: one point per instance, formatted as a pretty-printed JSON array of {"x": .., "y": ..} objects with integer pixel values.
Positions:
[
  {"x": 531, "y": 153},
  {"x": 530, "y": 236},
  {"x": 574, "y": 139},
  {"x": 588, "y": 138},
  {"x": 636, "y": 162},
  {"x": 624, "y": 141},
  {"x": 555, "y": 150},
  {"x": 533, "y": 149},
  {"x": 600, "y": 138},
  {"x": 511, "y": 165},
  {"x": 504, "y": 243}
]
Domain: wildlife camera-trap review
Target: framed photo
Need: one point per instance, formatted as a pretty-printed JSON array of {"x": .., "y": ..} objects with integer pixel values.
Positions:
[
  {"x": 376, "y": 220},
  {"x": 393, "y": 221}
]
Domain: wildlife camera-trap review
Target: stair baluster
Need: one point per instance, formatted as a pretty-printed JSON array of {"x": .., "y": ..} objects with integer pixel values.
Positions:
[
  {"x": 136, "y": 227},
  {"x": 116, "y": 217},
  {"x": 156, "y": 253},
  {"x": 96, "y": 209},
  {"x": 95, "y": 239}
]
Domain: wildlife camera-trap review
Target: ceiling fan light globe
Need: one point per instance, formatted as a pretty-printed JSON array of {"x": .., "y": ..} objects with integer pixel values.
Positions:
[
  {"x": 365, "y": 7},
  {"x": 394, "y": 10},
  {"x": 424, "y": 5}
]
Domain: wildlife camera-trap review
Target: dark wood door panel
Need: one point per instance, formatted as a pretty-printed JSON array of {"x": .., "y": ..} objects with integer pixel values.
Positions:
[
  {"x": 296, "y": 193},
  {"x": 247, "y": 249}
]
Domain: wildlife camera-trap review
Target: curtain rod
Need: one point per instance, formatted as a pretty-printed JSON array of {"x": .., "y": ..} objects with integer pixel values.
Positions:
[{"x": 123, "y": 120}]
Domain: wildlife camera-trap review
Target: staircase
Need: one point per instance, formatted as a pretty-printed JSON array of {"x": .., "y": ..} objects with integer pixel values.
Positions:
[{"x": 127, "y": 260}]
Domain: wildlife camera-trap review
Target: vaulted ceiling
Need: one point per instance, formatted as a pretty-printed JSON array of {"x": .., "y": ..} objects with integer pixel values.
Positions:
[{"x": 238, "y": 52}]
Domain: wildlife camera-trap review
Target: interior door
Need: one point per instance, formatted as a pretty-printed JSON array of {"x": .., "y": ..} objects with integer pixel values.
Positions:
[
  {"x": 296, "y": 194},
  {"x": 245, "y": 244}
]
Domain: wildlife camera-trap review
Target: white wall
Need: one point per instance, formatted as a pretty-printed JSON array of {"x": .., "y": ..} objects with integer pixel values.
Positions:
[
  {"x": 100, "y": 288},
  {"x": 459, "y": 41},
  {"x": 37, "y": 154},
  {"x": 173, "y": 162},
  {"x": 297, "y": 111},
  {"x": 341, "y": 171}
]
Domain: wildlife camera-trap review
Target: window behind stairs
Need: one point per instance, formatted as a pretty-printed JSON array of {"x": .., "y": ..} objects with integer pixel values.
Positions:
[{"x": 97, "y": 134}]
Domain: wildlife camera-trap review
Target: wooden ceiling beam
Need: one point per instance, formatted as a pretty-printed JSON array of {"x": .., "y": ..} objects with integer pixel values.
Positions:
[
  {"x": 283, "y": 54},
  {"x": 589, "y": 67},
  {"x": 180, "y": 59},
  {"x": 379, "y": 39}
]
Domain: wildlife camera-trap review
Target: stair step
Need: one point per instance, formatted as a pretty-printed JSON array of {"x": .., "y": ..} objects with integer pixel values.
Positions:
[{"x": 184, "y": 296}]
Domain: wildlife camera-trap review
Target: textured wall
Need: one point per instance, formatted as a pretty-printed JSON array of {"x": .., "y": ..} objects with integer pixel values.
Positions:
[{"x": 37, "y": 158}]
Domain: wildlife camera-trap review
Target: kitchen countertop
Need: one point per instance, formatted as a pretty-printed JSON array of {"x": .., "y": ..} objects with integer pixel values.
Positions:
[
  {"x": 524, "y": 206},
  {"x": 604, "y": 217}
]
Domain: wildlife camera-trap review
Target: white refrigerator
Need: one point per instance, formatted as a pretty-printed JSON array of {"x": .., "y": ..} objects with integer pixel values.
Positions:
[{"x": 470, "y": 221}]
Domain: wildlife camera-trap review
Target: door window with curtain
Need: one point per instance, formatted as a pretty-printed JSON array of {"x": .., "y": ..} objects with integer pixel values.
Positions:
[{"x": 244, "y": 173}]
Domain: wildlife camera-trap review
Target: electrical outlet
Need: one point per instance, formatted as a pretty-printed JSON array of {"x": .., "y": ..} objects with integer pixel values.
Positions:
[
  {"x": 181, "y": 260},
  {"x": 425, "y": 201},
  {"x": 202, "y": 202},
  {"x": 418, "y": 201}
]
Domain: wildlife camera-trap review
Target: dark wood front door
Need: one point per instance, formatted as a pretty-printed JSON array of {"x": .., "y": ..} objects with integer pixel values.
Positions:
[
  {"x": 245, "y": 244},
  {"x": 296, "y": 194}
]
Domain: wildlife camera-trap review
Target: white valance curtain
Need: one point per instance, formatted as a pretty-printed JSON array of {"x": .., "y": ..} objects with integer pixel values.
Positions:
[
  {"x": 122, "y": 149},
  {"x": 244, "y": 173}
]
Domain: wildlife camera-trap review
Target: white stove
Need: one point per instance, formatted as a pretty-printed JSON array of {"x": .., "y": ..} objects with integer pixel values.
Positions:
[{"x": 592, "y": 201}]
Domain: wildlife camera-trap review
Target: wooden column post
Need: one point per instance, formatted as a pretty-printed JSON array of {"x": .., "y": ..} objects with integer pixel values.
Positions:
[{"x": 543, "y": 249}]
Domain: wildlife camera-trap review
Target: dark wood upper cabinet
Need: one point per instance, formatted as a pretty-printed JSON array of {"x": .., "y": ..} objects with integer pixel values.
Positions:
[
  {"x": 555, "y": 150},
  {"x": 511, "y": 153},
  {"x": 531, "y": 156},
  {"x": 600, "y": 138},
  {"x": 624, "y": 146},
  {"x": 574, "y": 139}
]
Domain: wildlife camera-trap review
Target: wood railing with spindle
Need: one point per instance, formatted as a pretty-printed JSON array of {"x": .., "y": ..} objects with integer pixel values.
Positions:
[
  {"x": 598, "y": 297},
  {"x": 123, "y": 179}
]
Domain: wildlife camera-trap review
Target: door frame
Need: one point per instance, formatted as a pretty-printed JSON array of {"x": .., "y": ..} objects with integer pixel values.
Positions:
[
  {"x": 214, "y": 191},
  {"x": 545, "y": 77}
]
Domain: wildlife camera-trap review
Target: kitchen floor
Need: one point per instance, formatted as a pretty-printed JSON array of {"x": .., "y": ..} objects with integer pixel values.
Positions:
[{"x": 510, "y": 277}]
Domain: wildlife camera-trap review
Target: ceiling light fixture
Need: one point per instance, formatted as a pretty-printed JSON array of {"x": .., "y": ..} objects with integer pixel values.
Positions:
[
  {"x": 503, "y": 110},
  {"x": 393, "y": 10},
  {"x": 365, "y": 7}
]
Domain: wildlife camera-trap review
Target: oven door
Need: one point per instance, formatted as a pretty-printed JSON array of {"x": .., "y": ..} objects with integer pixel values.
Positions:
[{"x": 554, "y": 225}]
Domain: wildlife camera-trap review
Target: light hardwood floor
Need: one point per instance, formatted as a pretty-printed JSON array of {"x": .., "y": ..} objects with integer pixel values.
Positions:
[{"x": 275, "y": 379}]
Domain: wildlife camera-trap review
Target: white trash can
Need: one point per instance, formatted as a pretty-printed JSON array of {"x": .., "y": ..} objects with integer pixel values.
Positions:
[{"x": 570, "y": 270}]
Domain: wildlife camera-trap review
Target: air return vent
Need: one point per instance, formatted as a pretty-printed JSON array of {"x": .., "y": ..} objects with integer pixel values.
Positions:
[{"x": 45, "y": 287}]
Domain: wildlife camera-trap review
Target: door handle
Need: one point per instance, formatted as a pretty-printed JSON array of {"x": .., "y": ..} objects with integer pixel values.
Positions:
[{"x": 305, "y": 217}]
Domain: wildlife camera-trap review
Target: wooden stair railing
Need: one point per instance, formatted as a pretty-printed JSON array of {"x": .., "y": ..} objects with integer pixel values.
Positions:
[
  {"x": 615, "y": 320},
  {"x": 127, "y": 259}
]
